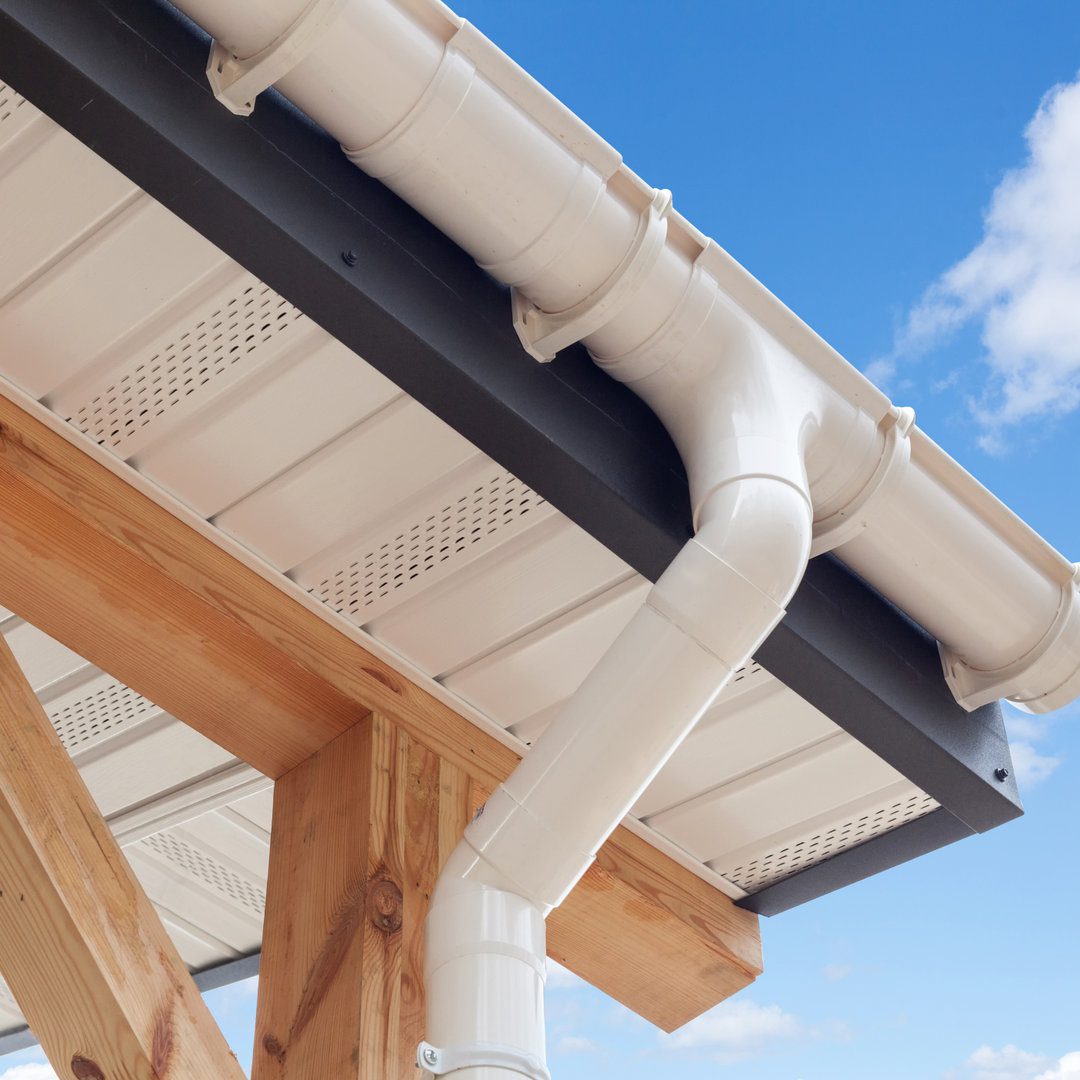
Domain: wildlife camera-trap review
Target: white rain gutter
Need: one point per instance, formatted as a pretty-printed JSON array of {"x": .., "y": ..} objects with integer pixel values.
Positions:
[{"x": 790, "y": 452}]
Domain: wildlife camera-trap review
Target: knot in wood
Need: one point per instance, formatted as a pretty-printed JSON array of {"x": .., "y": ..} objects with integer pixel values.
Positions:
[
  {"x": 274, "y": 1048},
  {"x": 383, "y": 677},
  {"x": 85, "y": 1069},
  {"x": 384, "y": 903}
]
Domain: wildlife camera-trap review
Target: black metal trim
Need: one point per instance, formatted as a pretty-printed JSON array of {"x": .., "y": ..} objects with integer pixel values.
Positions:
[
  {"x": 878, "y": 675},
  {"x": 916, "y": 838},
  {"x": 275, "y": 193},
  {"x": 208, "y": 978}
]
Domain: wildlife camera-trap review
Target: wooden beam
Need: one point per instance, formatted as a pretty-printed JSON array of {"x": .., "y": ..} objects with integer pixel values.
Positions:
[
  {"x": 360, "y": 832},
  {"x": 111, "y": 574},
  {"x": 676, "y": 926},
  {"x": 81, "y": 947}
]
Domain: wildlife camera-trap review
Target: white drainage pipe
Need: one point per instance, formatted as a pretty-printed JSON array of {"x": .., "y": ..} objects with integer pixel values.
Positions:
[
  {"x": 541, "y": 829},
  {"x": 776, "y": 431}
]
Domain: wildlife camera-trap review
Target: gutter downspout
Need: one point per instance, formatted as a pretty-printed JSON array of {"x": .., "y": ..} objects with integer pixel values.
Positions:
[{"x": 541, "y": 829}]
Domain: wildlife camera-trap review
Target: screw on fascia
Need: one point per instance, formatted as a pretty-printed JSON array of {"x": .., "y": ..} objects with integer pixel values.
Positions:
[
  {"x": 348, "y": 257},
  {"x": 1002, "y": 774},
  {"x": 431, "y": 1055}
]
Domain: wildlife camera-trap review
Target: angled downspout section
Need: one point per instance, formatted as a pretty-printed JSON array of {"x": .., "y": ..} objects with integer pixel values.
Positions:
[{"x": 715, "y": 604}]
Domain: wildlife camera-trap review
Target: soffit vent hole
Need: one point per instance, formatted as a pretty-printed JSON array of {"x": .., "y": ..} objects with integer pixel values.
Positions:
[
  {"x": 209, "y": 871},
  {"x": 389, "y": 565},
  {"x": 10, "y": 102},
  {"x": 108, "y": 709},
  {"x": 216, "y": 344},
  {"x": 814, "y": 848}
]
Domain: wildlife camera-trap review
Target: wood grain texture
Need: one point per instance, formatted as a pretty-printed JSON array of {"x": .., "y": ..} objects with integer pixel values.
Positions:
[
  {"x": 111, "y": 574},
  {"x": 671, "y": 927},
  {"x": 360, "y": 832},
  {"x": 81, "y": 947},
  {"x": 680, "y": 947}
]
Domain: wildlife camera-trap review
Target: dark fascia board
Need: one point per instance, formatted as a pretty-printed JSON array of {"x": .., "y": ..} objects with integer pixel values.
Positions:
[
  {"x": 274, "y": 192},
  {"x": 878, "y": 675},
  {"x": 909, "y": 841}
]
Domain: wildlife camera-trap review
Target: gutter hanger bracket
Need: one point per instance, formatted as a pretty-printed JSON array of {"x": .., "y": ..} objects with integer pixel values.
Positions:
[
  {"x": 439, "y": 1062},
  {"x": 1024, "y": 681},
  {"x": 544, "y": 334},
  {"x": 238, "y": 82},
  {"x": 850, "y": 520}
]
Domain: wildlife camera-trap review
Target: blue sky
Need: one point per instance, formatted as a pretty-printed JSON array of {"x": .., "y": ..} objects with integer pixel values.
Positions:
[{"x": 852, "y": 155}]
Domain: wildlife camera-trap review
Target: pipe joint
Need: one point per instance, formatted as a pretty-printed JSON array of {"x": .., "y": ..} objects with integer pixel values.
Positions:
[
  {"x": 849, "y": 520},
  {"x": 236, "y": 82},
  {"x": 402, "y": 148},
  {"x": 1051, "y": 663},
  {"x": 713, "y": 603},
  {"x": 543, "y": 334},
  {"x": 503, "y": 829},
  {"x": 551, "y": 245},
  {"x": 481, "y": 934}
]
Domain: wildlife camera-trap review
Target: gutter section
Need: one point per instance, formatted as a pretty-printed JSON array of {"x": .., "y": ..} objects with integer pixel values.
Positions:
[{"x": 424, "y": 102}]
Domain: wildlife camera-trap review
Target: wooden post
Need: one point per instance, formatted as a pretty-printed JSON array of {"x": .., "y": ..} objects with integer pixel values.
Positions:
[
  {"x": 360, "y": 832},
  {"x": 81, "y": 947}
]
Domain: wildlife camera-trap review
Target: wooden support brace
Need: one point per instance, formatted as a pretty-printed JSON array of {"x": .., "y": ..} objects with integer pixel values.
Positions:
[
  {"x": 360, "y": 832},
  {"x": 81, "y": 947}
]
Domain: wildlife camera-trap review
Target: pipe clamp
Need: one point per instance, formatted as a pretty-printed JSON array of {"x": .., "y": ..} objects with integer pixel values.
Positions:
[
  {"x": 1050, "y": 663},
  {"x": 237, "y": 83},
  {"x": 450, "y": 1059},
  {"x": 850, "y": 520},
  {"x": 544, "y": 334}
]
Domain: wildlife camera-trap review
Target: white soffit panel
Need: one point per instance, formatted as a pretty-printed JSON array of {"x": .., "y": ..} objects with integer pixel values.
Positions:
[
  {"x": 38, "y": 240},
  {"x": 764, "y": 862},
  {"x": 779, "y": 795},
  {"x": 95, "y": 709},
  {"x": 549, "y": 664},
  {"x": 448, "y": 526},
  {"x": 152, "y": 344},
  {"x": 541, "y": 573},
  {"x": 346, "y": 485},
  {"x": 239, "y": 327},
  {"x": 16, "y": 113},
  {"x": 102, "y": 298},
  {"x": 298, "y": 405}
]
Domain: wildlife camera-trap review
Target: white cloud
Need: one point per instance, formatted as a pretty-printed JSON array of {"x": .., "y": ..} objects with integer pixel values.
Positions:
[
  {"x": 1020, "y": 285},
  {"x": 736, "y": 1028},
  {"x": 1012, "y": 1063},
  {"x": 1031, "y": 763},
  {"x": 1067, "y": 1068},
  {"x": 1031, "y": 766},
  {"x": 575, "y": 1044},
  {"x": 836, "y": 972},
  {"x": 881, "y": 371},
  {"x": 29, "y": 1072}
]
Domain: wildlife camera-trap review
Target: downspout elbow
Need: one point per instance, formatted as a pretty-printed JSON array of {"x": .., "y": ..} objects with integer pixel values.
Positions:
[{"x": 540, "y": 831}]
